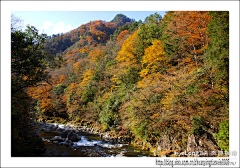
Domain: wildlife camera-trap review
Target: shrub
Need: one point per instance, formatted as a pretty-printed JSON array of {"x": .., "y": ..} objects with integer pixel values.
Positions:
[
  {"x": 109, "y": 116},
  {"x": 59, "y": 89},
  {"x": 223, "y": 135},
  {"x": 88, "y": 94},
  {"x": 199, "y": 125}
]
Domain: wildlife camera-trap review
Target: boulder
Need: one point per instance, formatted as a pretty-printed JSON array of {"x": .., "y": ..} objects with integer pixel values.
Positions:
[
  {"x": 64, "y": 134},
  {"x": 60, "y": 130},
  {"x": 69, "y": 125},
  {"x": 73, "y": 137},
  {"x": 164, "y": 143},
  {"x": 55, "y": 142},
  {"x": 55, "y": 128},
  {"x": 57, "y": 139},
  {"x": 67, "y": 143}
]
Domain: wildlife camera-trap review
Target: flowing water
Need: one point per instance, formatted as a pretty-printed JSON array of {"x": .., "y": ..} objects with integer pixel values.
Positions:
[{"x": 89, "y": 146}]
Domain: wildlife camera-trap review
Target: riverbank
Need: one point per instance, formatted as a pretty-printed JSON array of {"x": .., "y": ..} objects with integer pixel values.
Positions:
[
  {"x": 81, "y": 141},
  {"x": 167, "y": 146}
]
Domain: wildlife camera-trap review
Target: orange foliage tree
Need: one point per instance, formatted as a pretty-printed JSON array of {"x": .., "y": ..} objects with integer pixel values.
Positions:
[{"x": 122, "y": 35}]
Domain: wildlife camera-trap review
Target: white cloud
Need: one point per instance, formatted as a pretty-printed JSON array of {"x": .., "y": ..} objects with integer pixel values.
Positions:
[
  {"x": 61, "y": 28},
  {"x": 50, "y": 28},
  {"x": 47, "y": 25}
]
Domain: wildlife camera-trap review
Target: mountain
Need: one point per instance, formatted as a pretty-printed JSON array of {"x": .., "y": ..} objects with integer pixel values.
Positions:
[
  {"x": 89, "y": 34},
  {"x": 121, "y": 20}
]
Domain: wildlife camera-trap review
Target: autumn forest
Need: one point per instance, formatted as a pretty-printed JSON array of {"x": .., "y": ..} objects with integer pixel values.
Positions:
[{"x": 161, "y": 82}]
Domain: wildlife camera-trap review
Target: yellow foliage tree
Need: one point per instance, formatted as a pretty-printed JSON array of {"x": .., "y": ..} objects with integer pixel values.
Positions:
[
  {"x": 96, "y": 54},
  {"x": 86, "y": 77},
  {"x": 128, "y": 61},
  {"x": 154, "y": 58},
  {"x": 128, "y": 52}
]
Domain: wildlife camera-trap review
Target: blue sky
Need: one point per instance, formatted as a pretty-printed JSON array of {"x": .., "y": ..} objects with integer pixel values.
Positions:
[{"x": 53, "y": 22}]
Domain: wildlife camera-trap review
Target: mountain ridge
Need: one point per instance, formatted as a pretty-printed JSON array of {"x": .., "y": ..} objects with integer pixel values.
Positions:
[{"x": 96, "y": 32}]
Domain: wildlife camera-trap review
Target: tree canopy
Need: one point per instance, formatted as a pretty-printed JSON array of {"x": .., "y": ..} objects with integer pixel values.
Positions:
[{"x": 163, "y": 76}]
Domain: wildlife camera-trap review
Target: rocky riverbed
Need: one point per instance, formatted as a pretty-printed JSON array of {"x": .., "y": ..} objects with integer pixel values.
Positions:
[{"x": 70, "y": 140}]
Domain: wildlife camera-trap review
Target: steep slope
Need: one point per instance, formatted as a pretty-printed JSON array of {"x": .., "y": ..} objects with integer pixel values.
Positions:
[
  {"x": 89, "y": 34},
  {"x": 80, "y": 50}
]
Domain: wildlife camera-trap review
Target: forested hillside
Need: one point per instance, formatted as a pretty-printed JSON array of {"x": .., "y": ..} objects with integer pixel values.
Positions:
[{"x": 145, "y": 80}]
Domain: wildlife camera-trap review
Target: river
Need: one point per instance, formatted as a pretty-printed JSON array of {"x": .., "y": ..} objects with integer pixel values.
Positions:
[{"x": 89, "y": 145}]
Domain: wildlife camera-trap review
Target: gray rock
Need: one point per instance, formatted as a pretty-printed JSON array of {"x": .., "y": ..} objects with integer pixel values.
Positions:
[
  {"x": 192, "y": 145},
  {"x": 73, "y": 137},
  {"x": 164, "y": 143},
  {"x": 64, "y": 134},
  {"x": 55, "y": 142},
  {"x": 67, "y": 143},
  {"x": 57, "y": 139},
  {"x": 204, "y": 143}
]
